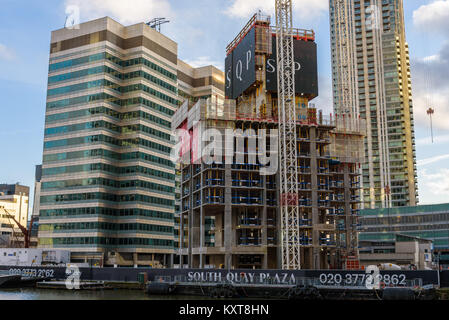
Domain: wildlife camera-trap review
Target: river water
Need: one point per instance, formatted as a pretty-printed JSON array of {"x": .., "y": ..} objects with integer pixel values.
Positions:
[{"x": 115, "y": 294}]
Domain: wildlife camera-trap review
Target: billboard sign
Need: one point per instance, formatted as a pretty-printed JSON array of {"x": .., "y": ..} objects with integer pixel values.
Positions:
[
  {"x": 240, "y": 66},
  {"x": 306, "y": 68}
]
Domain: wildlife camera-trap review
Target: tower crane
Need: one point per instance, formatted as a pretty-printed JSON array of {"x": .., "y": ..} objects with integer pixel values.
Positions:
[
  {"x": 430, "y": 113},
  {"x": 26, "y": 232},
  {"x": 290, "y": 214}
]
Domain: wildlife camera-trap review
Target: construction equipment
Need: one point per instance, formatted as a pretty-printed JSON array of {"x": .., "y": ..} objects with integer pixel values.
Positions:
[
  {"x": 26, "y": 232},
  {"x": 430, "y": 113},
  {"x": 290, "y": 215},
  {"x": 156, "y": 23}
]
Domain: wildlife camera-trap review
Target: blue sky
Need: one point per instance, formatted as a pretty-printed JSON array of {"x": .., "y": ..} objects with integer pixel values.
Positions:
[{"x": 202, "y": 29}]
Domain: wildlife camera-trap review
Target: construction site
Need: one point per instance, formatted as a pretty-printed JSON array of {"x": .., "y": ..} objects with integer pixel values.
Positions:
[{"x": 236, "y": 214}]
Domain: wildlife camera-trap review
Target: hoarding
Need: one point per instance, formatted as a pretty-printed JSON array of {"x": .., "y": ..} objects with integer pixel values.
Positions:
[{"x": 306, "y": 68}]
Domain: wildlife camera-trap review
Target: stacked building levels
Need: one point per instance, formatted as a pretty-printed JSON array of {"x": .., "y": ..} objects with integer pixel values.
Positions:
[
  {"x": 231, "y": 204},
  {"x": 194, "y": 84},
  {"x": 371, "y": 79},
  {"x": 108, "y": 182}
]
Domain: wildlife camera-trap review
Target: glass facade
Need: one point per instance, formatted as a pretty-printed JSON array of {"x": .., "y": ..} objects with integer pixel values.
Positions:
[
  {"x": 108, "y": 182},
  {"x": 382, "y": 95},
  {"x": 427, "y": 221},
  {"x": 108, "y": 186}
]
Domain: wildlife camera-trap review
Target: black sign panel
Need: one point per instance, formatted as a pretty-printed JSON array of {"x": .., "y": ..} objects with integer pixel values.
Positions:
[
  {"x": 306, "y": 68},
  {"x": 229, "y": 67},
  {"x": 240, "y": 66},
  {"x": 325, "y": 277}
]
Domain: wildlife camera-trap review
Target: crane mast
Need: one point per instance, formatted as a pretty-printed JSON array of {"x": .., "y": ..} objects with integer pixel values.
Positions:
[
  {"x": 345, "y": 47},
  {"x": 290, "y": 215}
]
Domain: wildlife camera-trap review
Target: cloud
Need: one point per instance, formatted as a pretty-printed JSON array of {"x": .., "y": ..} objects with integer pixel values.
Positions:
[
  {"x": 430, "y": 81},
  {"x": 433, "y": 16},
  {"x": 324, "y": 100},
  {"x": 431, "y": 89},
  {"x": 126, "y": 12},
  {"x": 6, "y": 53},
  {"x": 442, "y": 139},
  {"x": 437, "y": 181},
  {"x": 303, "y": 9},
  {"x": 205, "y": 61},
  {"x": 431, "y": 160}
]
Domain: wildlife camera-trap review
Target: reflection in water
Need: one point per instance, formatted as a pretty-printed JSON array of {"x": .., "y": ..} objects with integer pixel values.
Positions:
[{"x": 43, "y": 294}]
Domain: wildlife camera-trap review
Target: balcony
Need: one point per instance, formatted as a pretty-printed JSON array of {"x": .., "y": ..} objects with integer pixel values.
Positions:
[
  {"x": 250, "y": 222},
  {"x": 214, "y": 200},
  {"x": 237, "y": 200}
]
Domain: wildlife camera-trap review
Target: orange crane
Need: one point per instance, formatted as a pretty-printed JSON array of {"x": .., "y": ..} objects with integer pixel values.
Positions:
[{"x": 26, "y": 232}]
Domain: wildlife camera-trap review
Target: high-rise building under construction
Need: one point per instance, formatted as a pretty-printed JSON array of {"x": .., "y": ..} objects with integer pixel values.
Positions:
[
  {"x": 230, "y": 201},
  {"x": 371, "y": 80}
]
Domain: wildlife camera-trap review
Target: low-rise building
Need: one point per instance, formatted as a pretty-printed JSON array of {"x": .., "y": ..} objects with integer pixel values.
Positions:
[
  {"x": 431, "y": 222},
  {"x": 408, "y": 252},
  {"x": 13, "y": 204}
]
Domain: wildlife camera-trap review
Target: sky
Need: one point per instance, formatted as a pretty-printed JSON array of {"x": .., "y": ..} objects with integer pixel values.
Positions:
[{"x": 202, "y": 29}]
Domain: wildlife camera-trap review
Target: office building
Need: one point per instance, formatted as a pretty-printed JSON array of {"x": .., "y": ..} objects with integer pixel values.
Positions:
[
  {"x": 427, "y": 222},
  {"x": 108, "y": 185}
]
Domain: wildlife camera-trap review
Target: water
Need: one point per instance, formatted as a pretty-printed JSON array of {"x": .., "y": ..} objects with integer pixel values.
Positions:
[{"x": 115, "y": 294}]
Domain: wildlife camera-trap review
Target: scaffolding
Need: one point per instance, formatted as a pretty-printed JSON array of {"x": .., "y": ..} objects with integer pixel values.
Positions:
[
  {"x": 262, "y": 24},
  {"x": 310, "y": 206},
  {"x": 347, "y": 139},
  {"x": 213, "y": 108},
  {"x": 299, "y": 34}
]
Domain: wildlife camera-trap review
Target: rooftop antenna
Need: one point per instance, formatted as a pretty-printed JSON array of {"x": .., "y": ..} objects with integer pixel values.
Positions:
[{"x": 156, "y": 23}]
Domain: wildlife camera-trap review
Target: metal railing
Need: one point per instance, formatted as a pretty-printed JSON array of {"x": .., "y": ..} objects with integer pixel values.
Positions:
[
  {"x": 303, "y": 34},
  {"x": 246, "y": 29}
]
